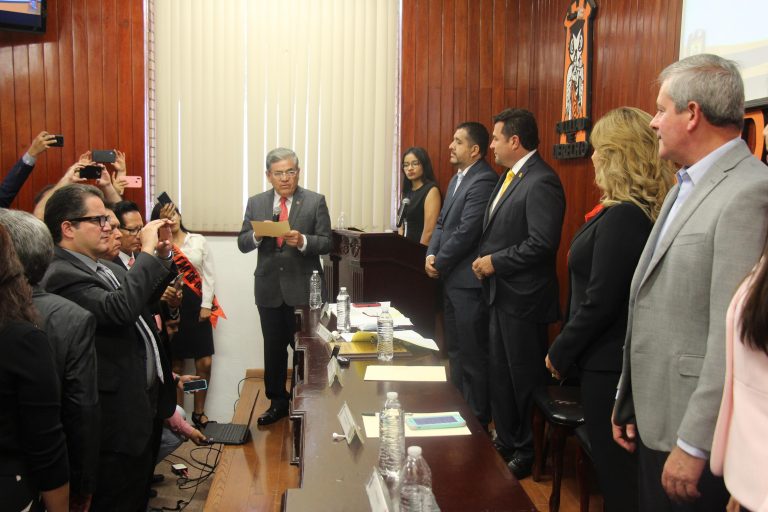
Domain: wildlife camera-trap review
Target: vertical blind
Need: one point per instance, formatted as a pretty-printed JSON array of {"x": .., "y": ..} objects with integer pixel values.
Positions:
[{"x": 236, "y": 78}]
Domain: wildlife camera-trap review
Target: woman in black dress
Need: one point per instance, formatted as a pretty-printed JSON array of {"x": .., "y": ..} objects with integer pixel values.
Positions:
[
  {"x": 602, "y": 259},
  {"x": 33, "y": 452},
  {"x": 420, "y": 188}
]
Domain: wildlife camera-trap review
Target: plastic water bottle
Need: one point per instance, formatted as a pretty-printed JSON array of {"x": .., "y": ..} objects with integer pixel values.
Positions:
[
  {"x": 342, "y": 310},
  {"x": 315, "y": 294},
  {"x": 392, "y": 437},
  {"x": 385, "y": 349},
  {"x": 340, "y": 222},
  {"x": 415, "y": 483}
]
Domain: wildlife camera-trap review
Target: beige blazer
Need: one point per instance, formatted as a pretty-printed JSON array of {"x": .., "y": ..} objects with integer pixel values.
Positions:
[
  {"x": 739, "y": 450},
  {"x": 674, "y": 353}
]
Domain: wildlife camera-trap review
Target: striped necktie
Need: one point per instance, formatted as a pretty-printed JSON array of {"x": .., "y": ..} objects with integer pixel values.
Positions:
[{"x": 150, "y": 344}]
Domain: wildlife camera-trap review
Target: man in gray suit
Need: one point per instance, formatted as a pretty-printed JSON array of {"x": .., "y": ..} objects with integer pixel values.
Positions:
[
  {"x": 451, "y": 251},
  {"x": 284, "y": 265},
  {"x": 709, "y": 234}
]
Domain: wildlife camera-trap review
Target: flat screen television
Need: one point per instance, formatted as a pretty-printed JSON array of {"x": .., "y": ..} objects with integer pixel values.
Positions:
[{"x": 23, "y": 15}]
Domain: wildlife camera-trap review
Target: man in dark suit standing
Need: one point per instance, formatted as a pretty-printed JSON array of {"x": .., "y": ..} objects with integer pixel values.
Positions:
[
  {"x": 451, "y": 251},
  {"x": 516, "y": 263},
  {"x": 71, "y": 332},
  {"x": 130, "y": 363},
  {"x": 284, "y": 265}
]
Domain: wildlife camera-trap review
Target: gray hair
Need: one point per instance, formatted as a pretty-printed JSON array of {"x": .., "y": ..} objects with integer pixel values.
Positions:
[
  {"x": 280, "y": 154},
  {"x": 711, "y": 81},
  {"x": 32, "y": 241}
]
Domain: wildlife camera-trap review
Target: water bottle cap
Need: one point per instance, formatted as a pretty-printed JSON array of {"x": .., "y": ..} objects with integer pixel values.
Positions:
[
  {"x": 414, "y": 451},
  {"x": 314, "y": 271},
  {"x": 391, "y": 395},
  {"x": 342, "y": 289}
]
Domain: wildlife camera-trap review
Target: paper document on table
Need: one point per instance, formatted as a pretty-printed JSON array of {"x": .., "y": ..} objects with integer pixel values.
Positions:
[
  {"x": 364, "y": 318},
  {"x": 371, "y": 425},
  {"x": 275, "y": 229},
  {"x": 415, "y": 338},
  {"x": 405, "y": 373}
]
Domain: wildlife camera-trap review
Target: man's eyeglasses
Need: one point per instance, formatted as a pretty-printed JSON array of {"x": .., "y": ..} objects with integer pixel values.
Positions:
[
  {"x": 131, "y": 231},
  {"x": 101, "y": 220},
  {"x": 411, "y": 164},
  {"x": 290, "y": 173}
]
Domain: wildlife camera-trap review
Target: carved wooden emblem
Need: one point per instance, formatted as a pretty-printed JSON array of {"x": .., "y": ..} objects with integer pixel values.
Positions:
[{"x": 577, "y": 81}]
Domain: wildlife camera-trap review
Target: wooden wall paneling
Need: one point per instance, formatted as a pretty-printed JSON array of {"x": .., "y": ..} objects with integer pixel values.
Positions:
[
  {"x": 54, "y": 160},
  {"x": 7, "y": 111},
  {"x": 473, "y": 61},
  {"x": 84, "y": 79},
  {"x": 407, "y": 76},
  {"x": 448, "y": 121},
  {"x": 498, "y": 70},
  {"x": 94, "y": 37},
  {"x": 124, "y": 84},
  {"x": 80, "y": 76},
  {"x": 137, "y": 106},
  {"x": 109, "y": 74},
  {"x": 421, "y": 73},
  {"x": 433, "y": 137},
  {"x": 37, "y": 118},
  {"x": 71, "y": 150}
]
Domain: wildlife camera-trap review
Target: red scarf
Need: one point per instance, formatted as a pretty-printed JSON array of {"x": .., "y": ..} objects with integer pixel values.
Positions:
[
  {"x": 594, "y": 211},
  {"x": 192, "y": 279}
]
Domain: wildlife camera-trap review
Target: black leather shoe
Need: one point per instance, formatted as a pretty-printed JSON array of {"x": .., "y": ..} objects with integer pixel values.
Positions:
[
  {"x": 272, "y": 415},
  {"x": 505, "y": 452},
  {"x": 520, "y": 467}
]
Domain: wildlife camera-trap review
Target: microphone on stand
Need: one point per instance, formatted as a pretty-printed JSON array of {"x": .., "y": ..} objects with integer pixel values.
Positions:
[
  {"x": 276, "y": 214},
  {"x": 401, "y": 213}
]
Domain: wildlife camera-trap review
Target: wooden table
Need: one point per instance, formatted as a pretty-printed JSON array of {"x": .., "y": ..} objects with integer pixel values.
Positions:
[{"x": 467, "y": 473}]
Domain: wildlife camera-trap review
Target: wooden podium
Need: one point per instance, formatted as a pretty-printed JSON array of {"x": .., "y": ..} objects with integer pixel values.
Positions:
[{"x": 383, "y": 266}]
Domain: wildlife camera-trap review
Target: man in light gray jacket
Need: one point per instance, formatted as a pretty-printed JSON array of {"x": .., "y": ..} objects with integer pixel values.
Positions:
[{"x": 709, "y": 234}]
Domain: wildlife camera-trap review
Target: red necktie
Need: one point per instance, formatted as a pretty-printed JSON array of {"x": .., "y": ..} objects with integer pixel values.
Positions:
[
  {"x": 131, "y": 261},
  {"x": 283, "y": 216}
]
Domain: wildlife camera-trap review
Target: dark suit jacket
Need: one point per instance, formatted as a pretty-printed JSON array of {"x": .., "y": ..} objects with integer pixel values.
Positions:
[
  {"x": 522, "y": 235},
  {"x": 127, "y": 410},
  {"x": 601, "y": 262},
  {"x": 459, "y": 226},
  {"x": 13, "y": 182},
  {"x": 282, "y": 274},
  {"x": 71, "y": 333}
]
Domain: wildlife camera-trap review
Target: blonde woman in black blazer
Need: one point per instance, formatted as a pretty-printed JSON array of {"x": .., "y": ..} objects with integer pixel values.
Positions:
[{"x": 602, "y": 259}]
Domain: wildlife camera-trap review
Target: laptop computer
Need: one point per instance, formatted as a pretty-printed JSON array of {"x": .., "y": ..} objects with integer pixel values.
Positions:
[{"x": 230, "y": 433}]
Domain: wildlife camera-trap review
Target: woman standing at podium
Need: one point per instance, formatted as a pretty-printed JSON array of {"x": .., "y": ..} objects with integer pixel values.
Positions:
[
  {"x": 420, "y": 189},
  {"x": 603, "y": 255}
]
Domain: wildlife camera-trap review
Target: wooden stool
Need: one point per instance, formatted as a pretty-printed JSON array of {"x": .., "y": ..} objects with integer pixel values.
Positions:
[{"x": 560, "y": 407}]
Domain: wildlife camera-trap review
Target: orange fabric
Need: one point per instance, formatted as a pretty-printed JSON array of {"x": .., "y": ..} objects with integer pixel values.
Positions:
[{"x": 194, "y": 282}]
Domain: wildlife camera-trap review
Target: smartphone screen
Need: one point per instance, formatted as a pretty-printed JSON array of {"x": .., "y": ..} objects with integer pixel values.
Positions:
[
  {"x": 195, "y": 385},
  {"x": 90, "y": 172}
]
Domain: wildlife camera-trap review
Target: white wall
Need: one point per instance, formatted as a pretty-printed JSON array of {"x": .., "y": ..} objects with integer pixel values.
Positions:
[{"x": 238, "y": 341}]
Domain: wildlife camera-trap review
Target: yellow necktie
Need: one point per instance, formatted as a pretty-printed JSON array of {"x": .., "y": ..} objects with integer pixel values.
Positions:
[{"x": 507, "y": 180}]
